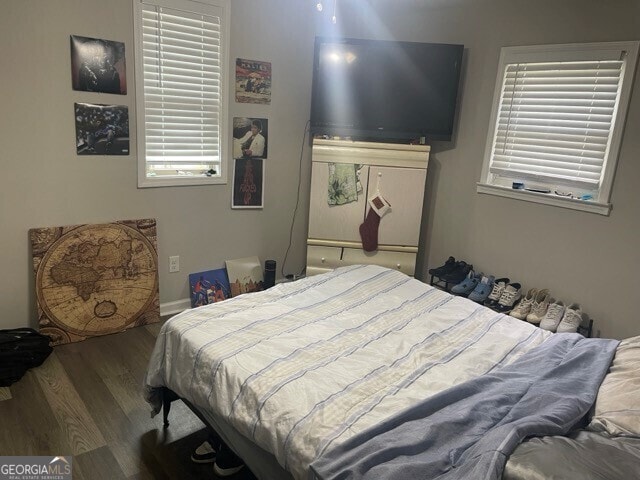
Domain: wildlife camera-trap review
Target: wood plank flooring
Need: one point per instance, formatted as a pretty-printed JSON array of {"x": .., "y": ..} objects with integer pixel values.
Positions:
[{"x": 86, "y": 400}]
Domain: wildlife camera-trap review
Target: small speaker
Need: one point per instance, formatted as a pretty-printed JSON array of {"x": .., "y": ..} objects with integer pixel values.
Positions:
[{"x": 269, "y": 273}]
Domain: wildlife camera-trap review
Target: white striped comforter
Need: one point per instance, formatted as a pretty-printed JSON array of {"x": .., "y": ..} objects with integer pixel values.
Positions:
[{"x": 303, "y": 366}]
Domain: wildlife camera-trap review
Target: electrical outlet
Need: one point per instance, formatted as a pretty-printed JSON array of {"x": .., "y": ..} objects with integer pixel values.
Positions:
[{"x": 174, "y": 264}]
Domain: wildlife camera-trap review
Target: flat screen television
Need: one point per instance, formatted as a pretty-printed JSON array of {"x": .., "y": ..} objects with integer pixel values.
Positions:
[{"x": 378, "y": 89}]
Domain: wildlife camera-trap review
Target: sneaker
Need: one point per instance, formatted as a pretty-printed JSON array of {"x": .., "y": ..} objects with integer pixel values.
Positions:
[
  {"x": 552, "y": 318},
  {"x": 522, "y": 309},
  {"x": 227, "y": 462},
  {"x": 498, "y": 287},
  {"x": 205, "y": 453},
  {"x": 482, "y": 290},
  {"x": 509, "y": 297},
  {"x": 460, "y": 271},
  {"x": 467, "y": 285},
  {"x": 571, "y": 319},
  {"x": 539, "y": 307},
  {"x": 448, "y": 267}
]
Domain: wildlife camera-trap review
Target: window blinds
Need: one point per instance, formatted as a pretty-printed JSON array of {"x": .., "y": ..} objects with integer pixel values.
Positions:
[
  {"x": 555, "y": 121},
  {"x": 182, "y": 104}
]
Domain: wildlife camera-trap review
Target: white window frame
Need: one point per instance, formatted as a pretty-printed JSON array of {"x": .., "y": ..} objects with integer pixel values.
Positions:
[
  {"x": 488, "y": 183},
  {"x": 218, "y": 8}
]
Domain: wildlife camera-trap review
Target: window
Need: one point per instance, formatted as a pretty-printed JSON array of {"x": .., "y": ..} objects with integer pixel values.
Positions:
[
  {"x": 181, "y": 89},
  {"x": 557, "y": 122}
]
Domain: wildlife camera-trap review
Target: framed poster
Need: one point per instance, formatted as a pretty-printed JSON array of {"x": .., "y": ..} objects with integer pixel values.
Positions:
[
  {"x": 248, "y": 183},
  {"x": 209, "y": 287},
  {"x": 102, "y": 129},
  {"x": 98, "y": 65},
  {"x": 250, "y": 137},
  {"x": 253, "y": 81}
]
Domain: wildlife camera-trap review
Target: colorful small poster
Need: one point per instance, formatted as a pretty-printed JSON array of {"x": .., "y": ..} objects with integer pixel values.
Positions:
[
  {"x": 248, "y": 183},
  {"x": 250, "y": 137},
  {"x": 102, "y": 129},
  {"x": 98, "y": 65},
  {"x": 253, "y": 81},
  {"x": 209, "y": 287},
  {"x": 245, "y": 275}
]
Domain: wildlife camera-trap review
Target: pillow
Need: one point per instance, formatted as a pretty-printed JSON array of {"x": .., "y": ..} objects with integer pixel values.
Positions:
[{"x": 617, "y": 407}]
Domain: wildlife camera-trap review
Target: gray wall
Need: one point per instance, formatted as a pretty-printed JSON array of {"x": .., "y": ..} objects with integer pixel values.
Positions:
[
  {"x": 46, "y": 184},
  {"x": 581, "y": 257}
]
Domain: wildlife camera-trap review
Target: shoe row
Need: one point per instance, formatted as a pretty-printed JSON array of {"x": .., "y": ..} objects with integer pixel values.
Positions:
[
  {"x": 539, "y": 308},
  {"x": 502, "y": 295}
]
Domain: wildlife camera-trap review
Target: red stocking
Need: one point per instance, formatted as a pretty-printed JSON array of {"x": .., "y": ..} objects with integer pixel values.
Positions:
[
  {"x": 369, "y": 231},
  {"x": 378, "y": 206}
]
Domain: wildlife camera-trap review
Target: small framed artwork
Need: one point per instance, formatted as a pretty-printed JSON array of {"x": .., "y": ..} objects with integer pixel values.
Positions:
[
  {"x": 98, "y": 65},
  {"x": 248, "y": 183},
  {"x": 209, "y": 287},
  {"x": 253, "y": 81},
  {"x": 245, "y": 275},
  {"x": 250, "y": 137},
  {"x": 102, "y": 129}
]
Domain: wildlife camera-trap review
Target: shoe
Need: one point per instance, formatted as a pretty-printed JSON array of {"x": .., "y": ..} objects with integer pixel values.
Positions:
[
  {"x": 539, "y": 307},
  {"x": 571, "y": 319},
  {"x": 448, "y": 267},
  {"x": 498, "y": 287},
  {"x": 460, "y": 271},
  {"x": 509, "y": 297},
  {"x": 554, "y": 314},
  {"x": 522, "y": 309},
  {"x": 227, "y": 462},
  {"x": 482, "y": 290},
  {"x": 205, "y": 453},
  {"x": 467, "y": 285}
]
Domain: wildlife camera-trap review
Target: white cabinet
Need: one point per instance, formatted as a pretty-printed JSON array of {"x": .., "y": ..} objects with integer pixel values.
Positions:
[{"x": 399, "y": 173}]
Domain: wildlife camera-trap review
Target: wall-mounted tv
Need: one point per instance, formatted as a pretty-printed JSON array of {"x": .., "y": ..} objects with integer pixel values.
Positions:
[{"x": 378, "y": 89}]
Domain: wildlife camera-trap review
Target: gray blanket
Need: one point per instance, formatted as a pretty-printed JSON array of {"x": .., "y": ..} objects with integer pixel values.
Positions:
[{"x": 468, "y": 431}]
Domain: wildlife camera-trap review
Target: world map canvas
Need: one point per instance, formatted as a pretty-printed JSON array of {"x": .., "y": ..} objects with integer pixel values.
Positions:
[{"x": 95, "y": 279}]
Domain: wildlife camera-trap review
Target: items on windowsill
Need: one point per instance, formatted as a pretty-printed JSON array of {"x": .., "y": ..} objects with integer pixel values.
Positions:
[{"x": 544, "y": 190}]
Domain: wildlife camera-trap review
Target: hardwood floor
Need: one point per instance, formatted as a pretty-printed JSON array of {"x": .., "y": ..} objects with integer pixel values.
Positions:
[{"x": 86, "y": 401}]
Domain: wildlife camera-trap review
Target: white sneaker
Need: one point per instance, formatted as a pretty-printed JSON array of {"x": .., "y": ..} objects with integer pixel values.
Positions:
[
  {"x": 571, "y": 319},
  {"x": 552, "y": 318},
  {"x": 539, "y": 307},
  {"x": 509, "y": 298},
  {"x": 498, "y": 287},
  {"x": 522, "y": 309},
  {"x": 205, "y": 453}
]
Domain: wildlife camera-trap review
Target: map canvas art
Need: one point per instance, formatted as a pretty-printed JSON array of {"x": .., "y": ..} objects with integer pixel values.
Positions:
[{"x": 93, "y": 280}]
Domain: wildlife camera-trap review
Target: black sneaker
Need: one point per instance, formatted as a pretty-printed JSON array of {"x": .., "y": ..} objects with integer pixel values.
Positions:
[
  {"x": 448, "y": 267},
  {"x": 227, "y": 462},
  {"x": 205, "y": 453},
  {"x": 458, "y": 274}
]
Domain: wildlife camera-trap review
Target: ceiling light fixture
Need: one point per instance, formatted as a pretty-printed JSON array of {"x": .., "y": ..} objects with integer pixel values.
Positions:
[{"x": 319, "y": 6}]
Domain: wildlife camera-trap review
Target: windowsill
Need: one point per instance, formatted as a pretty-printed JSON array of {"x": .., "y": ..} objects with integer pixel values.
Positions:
[
  {"x": 546, "y": 199},
  {"x": 180, "y": 181}
]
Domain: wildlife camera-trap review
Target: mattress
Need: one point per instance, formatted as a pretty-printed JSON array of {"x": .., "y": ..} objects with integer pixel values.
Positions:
[{"x": 304, "y": 366}]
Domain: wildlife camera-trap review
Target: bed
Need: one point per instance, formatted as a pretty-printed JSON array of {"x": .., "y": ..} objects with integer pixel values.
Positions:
[{"x": 364, "y": 372}]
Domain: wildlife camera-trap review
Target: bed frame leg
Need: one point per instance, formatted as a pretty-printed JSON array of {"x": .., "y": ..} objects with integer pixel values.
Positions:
[{"x": 166, "y": 407}]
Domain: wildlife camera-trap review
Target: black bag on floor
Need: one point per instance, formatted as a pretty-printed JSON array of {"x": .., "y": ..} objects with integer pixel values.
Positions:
[{"x": 20, "y": 350}]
